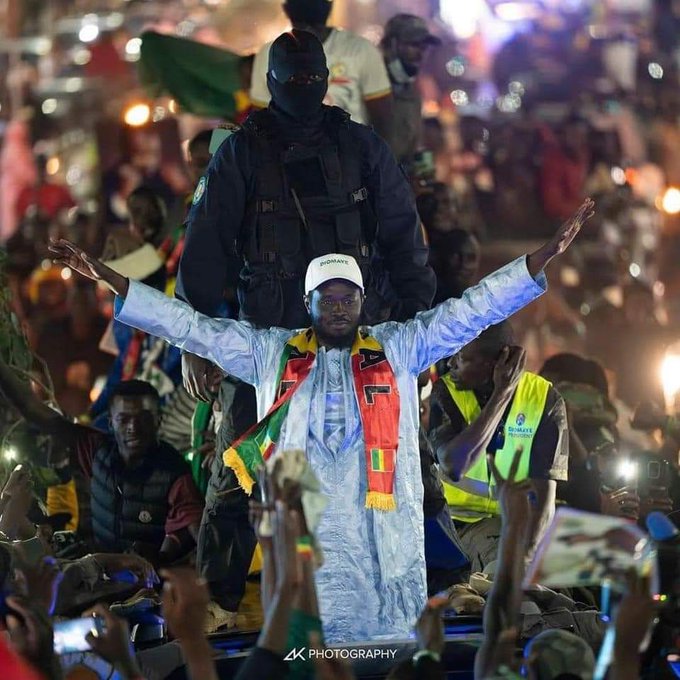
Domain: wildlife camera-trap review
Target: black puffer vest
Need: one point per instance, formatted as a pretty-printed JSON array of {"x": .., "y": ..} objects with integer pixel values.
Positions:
[{"x": 131, "y": 504}]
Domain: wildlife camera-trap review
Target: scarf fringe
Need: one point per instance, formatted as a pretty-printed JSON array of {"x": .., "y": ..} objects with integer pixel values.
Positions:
[
  {"x": 232, "y": 460},
  {"x": 377, "y": 500}
]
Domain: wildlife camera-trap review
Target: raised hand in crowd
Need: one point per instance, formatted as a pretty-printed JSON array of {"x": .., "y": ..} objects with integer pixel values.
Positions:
[
  {"x": 426, "y": 662},
  {"x": 562, "y": 239},
  {"x": 39, "y": 582},
  {"x": 113, "y": 643},
  {"x": 504, "y": 662},
  {"x": 266, "y": 660},
  {"x": 623, "y": 502},
  {"x": 185, "y": 607},
  {"x": 31, "y": 636},
  {"x": 263, "y": 519},
  {"x": 260, "y": 520},
  {"x": 430, "y": 626},
  {"x": 501, "y": 613},
  {"x": 69, "y": 255},
  {"x": 19, "y": 487},
  {"x": 513, "y": 496},
  {"x": 636, "y": 613},
  {"x": 185, "y": 602},
  {"x": 430, "y": 633},
  {"x": 16, "y": 500},
  {"x": 286, "y": 530}
]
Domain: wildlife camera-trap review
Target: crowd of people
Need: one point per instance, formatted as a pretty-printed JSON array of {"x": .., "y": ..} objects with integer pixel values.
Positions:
[{"x": 274, "y": 390}]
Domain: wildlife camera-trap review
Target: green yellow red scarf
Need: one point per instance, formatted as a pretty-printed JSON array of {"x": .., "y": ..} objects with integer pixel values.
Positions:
[{"x": 378, "y": 396}]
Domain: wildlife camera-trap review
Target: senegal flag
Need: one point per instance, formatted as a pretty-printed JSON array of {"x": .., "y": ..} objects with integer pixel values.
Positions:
[
  {"x": 382, "y": 461},
  {"x": 202, "y": 79}
]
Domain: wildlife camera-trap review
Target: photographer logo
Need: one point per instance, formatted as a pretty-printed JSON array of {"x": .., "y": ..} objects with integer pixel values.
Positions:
[
  {"x": 304, "y": 654},
  {"x": 296, "y": 655}
]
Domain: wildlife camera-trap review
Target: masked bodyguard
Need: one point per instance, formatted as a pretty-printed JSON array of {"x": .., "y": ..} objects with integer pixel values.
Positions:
[{"x": 297, "y": 181}]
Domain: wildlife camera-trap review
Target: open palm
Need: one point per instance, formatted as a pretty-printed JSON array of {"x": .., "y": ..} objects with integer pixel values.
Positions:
[
  {"x": 538, "y": 260},
  {"x": 68, "y": 254},
  {"x": 571, "y": 227}
]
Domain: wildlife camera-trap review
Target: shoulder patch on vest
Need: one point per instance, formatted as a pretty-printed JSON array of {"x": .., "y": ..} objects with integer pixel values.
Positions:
[
  {"x": 200, "y": 189},
  {"x": 145, "y": 516}
]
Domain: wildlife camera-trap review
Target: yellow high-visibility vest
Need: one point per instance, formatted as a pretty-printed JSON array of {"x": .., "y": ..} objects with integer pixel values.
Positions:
[
  {"x": 473, "y": 498},
  {"x": 63, "y": 498}
]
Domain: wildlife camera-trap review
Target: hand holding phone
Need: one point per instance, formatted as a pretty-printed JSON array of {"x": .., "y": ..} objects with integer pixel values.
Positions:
[
  {"x": 623, "y": 502},
  {"x": 113, "y": 642},
  {"x": 71, "y": 636}
]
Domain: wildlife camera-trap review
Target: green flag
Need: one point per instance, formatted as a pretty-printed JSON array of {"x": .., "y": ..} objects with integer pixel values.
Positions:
[{"x": 201, "y": 78}]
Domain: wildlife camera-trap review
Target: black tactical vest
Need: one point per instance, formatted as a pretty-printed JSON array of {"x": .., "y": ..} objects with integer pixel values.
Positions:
[
  {"x": 308, "y": 201},
  {"x": 131, "y": 504}
]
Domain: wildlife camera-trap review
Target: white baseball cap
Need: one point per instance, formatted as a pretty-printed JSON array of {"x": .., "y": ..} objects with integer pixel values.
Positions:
[{"x": 332, "y": 266}]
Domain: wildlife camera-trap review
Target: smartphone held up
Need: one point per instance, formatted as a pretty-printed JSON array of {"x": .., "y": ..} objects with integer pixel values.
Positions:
[{"x": 71, "y": 636}]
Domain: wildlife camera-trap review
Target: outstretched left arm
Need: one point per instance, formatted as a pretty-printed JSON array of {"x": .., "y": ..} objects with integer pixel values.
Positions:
[{"x": 442, "y": 331}]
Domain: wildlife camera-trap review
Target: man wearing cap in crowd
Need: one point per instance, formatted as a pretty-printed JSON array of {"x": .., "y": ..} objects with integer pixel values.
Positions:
[
  {"x": 348, "y": 396},
  {"x": 297, "y": 181},
  {"x": 404, "y": 42}
]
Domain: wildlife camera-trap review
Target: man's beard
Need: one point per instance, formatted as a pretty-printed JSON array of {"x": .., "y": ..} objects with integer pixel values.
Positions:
[{"x": 339, "y": 341}]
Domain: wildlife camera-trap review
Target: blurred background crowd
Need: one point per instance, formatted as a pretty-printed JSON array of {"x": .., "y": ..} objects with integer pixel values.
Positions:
[{"x": 505, "y": 116}]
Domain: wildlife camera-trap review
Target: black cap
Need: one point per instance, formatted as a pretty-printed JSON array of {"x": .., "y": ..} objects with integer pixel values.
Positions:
[
  {"x": 297, "y": 53},
  {"x": 409, "y": 28}
]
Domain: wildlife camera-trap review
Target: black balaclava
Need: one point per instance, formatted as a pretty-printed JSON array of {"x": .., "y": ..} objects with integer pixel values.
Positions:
[{"x": 297, "y": 53}]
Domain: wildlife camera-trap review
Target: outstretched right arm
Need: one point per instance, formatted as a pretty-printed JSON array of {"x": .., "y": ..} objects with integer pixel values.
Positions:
[{"x": 229, "y": 344}]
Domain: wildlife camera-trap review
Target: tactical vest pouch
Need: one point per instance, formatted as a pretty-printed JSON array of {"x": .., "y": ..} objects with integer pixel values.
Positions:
[
  {"x": 263, "y": 244},
  {"x": 348, "y": 235},
  {"x": 288, "y": 239},
  {"x": 260, "y": 299},
  {"x": 332, "y": 167},
  {"x": 348, "y": 228},
  {"x": 309, "y": 201}
]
